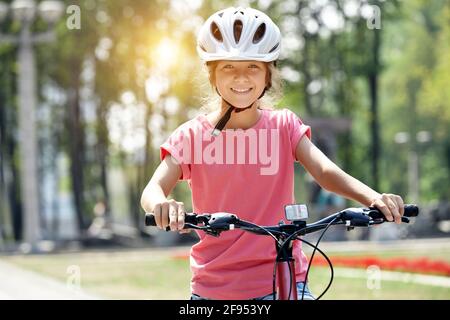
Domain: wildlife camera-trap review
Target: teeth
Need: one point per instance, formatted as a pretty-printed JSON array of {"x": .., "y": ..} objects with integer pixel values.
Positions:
[{"x": 241, "y": 90}]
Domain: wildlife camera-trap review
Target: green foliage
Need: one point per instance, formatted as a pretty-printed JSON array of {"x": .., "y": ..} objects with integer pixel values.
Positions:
[{"x": 415, "y": 96}]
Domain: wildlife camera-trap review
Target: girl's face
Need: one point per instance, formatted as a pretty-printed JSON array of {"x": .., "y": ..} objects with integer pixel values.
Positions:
[{"x": 240, "y": 82}]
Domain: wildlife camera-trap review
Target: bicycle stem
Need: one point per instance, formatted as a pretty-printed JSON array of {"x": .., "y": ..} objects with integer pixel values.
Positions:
[{"x": 285, "y": 263}]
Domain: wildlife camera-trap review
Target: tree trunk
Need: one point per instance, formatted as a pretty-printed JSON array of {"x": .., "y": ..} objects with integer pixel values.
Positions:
[
  {"x": 304, "y": 65},
  {"x": 13, "y": 189},
  {"x": 307, "y": 75},
  {"x": 8, "y": 146},
  {"x": 374, "y": 123},
  {"x": 3, "y": 198},
  {"x": 76, "y": 148},
  {"x": 372, "y": 79},
  {"x": 102, "y": 155}
]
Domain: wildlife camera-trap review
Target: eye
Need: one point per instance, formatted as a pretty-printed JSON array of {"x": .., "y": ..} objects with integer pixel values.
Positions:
[
  {"x": 227, "y": 66},
  {"x": 253, "y": 66}
]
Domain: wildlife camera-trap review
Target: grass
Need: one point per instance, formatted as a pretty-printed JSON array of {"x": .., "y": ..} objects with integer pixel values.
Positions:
[
  {"x": 117, "y": 275},
  {"x": 154, "y": 274},
  {"x": 349, "y": 288}
]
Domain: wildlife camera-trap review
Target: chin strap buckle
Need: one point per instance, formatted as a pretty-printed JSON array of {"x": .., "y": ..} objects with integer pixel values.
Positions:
[{"x": 215, "y": 132}]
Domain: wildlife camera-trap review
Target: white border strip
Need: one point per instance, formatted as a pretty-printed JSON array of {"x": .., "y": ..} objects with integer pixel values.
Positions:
[{"x": 429, "y": 280}]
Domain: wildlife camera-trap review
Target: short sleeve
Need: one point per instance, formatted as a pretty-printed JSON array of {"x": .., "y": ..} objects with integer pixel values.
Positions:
[
  {"x": 178, "y": 145},
  {"x": 297, "y": 129}
]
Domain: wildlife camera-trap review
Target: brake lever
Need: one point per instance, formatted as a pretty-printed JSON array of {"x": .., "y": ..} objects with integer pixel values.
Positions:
[{"x": 192, "y": 226}]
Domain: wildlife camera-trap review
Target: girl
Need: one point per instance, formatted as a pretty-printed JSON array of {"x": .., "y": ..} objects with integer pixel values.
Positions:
[{"x": 246, "y": 169}]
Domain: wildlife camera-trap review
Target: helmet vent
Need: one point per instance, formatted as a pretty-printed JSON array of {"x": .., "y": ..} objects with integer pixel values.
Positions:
[
  {"x": 216, "y": 32},
  {"x": 259, "y": 33},
  {"x": 273, "y": 49},
  {"x": 221, "y": 14},
  {"x": 237, "y": 28}
]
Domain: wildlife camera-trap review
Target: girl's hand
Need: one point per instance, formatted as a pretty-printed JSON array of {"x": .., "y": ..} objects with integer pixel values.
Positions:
[
  {"x": 169, "y": 213},
  {"x": 391, "y": 205}
]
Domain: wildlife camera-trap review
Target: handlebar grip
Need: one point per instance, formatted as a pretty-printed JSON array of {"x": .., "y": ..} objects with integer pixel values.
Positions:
[
  {"x": 150, "y": 220},
  {"x": 188, "y": 218},
  {"x": 411, "y": 210}
]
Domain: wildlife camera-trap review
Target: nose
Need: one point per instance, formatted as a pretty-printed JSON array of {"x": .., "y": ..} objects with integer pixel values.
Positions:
[{"x": 241, "y": 75}]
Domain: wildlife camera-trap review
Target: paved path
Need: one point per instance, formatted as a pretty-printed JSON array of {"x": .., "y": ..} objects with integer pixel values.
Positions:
[
  {"x": 20, "y": 284},
  {"x": 384, "y": 275}
]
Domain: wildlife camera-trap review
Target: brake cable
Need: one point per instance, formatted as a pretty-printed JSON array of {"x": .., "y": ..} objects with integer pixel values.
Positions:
[
  {"x": 329, "y": 263},
  {"x": 312, "y": 255}
]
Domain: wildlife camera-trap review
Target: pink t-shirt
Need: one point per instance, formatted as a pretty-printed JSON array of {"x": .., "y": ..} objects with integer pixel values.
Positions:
[{"x": 246, "y": 172}]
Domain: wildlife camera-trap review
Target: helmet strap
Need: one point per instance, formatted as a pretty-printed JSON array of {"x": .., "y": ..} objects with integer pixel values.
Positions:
[{"x": 226, "y": 117}]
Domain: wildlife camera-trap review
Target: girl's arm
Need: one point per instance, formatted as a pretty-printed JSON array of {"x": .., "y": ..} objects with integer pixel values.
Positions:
[
  {"x": 154, "y": 197},
  {"x": 330, "y": 177}
]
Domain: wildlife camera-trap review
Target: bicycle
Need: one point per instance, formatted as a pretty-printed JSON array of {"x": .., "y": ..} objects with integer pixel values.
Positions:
[{"x": 284, "y": 234}]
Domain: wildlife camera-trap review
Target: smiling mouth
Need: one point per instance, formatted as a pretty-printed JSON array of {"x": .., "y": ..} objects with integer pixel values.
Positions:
[{"x": 241, "y": 91}]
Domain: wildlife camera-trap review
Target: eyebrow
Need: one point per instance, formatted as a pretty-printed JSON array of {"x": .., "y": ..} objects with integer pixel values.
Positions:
[{"x": 222, "y": 64}]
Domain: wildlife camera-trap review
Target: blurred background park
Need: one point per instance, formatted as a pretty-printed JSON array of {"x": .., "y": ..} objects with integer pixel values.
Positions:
[{"x": 89, "y": 89}]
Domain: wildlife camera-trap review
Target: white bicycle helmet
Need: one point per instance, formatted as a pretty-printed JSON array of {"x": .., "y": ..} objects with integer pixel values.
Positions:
[{"x": 239, "y": 34}]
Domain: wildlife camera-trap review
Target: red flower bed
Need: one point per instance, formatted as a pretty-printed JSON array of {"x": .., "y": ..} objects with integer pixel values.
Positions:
[{"x": 417, "y": 265}]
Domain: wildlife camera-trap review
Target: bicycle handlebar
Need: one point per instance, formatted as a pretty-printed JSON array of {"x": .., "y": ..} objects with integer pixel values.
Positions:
[{"x": 215, "y": 223}]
